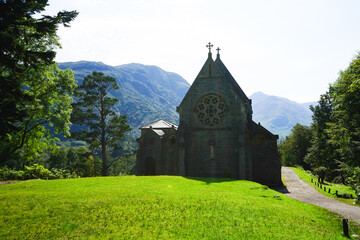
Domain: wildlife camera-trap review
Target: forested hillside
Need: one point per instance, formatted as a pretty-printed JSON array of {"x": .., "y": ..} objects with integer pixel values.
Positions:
[{"x": 146, "y": 93}]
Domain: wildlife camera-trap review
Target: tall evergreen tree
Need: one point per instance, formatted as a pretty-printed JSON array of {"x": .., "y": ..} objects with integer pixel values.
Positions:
[{"x": 93, "y": 110}]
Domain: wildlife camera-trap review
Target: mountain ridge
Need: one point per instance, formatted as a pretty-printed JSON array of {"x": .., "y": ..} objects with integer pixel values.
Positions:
[
  {"x": 148, "y": 93},
  {"x": 279, "y": 114}
]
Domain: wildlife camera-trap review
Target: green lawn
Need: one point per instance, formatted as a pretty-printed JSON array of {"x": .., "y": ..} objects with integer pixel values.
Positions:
[
  {"x": 161, "y": 207},
  {"x": 306, "y": 177}
]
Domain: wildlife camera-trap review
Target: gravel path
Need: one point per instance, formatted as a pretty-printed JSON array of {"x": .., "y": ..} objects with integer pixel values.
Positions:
[{"x": 299, "y": 190}]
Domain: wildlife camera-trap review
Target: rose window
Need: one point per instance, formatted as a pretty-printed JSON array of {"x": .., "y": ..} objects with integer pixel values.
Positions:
[{"x": 211, "y": 110}]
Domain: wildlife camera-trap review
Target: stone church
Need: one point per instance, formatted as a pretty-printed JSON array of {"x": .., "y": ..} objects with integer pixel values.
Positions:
[{"x": 216, "y": 136}]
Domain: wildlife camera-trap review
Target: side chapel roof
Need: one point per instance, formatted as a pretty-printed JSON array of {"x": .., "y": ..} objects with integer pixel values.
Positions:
[{"x": 160, "y": 124}]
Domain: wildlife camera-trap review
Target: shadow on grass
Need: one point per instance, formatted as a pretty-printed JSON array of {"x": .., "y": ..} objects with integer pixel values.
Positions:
[{"x": 211, "y": 180}]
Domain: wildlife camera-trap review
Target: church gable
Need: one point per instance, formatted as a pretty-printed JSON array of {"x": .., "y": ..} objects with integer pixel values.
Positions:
[
  {"x": 212, "y": 96},
  {"x": 209, "y": 71}
]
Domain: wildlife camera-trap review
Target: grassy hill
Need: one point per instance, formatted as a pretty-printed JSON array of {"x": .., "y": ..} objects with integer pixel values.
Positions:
[{"x": 161, "y": 207}]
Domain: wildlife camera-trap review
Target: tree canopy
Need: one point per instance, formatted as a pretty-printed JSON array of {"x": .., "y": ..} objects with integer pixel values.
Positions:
[
  {"x": 27, "y": 45},
  {"x": 334, "y": 151},
  {"x": 34, "y": 93}
]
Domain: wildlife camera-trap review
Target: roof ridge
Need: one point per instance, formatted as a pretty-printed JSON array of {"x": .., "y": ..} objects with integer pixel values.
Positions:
[{"x": 231, "y": 79}]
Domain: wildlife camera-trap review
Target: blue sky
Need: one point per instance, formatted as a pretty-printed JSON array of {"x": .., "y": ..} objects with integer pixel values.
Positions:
[{"x": 287, "y": 48}]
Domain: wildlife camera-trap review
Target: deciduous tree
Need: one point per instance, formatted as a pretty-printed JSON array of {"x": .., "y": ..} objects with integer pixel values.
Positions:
[{"x": 294, "y": 148}]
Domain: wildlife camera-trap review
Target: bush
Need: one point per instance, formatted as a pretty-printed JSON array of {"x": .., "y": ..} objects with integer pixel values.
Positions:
[
  {"x": 62, "y": 174},
  {"x": 10, "y": 174},
  {"x": 35, "y": 171}
]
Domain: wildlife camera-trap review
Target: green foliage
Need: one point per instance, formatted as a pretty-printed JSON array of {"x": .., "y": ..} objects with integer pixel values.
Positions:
[
  {"x": 344, "y": 127},
  {"x": 50, "y": 105},
  {"x": 125, "y": 165},
  {"x": 27, "y": 44},
  {"x": 294, "y": 148},
  {"x": 321, "y": 173},
  {"x": 35, "y": 171},
  {"x": 93, "y": 110},
  {"x": 10, "y": 174},
  {"x": 162, "y": 207},
  {"x": 354, "y": 180},
  {"x": 33, "y": 91},
  {"x": 76, "y": 160},
  {"x": 336, "y": 140}
]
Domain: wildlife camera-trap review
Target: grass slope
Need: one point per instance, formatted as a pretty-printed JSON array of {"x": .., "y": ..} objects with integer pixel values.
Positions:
[
  {"x": 306, "y": 177},
  {"x": 161, "y": 207}
]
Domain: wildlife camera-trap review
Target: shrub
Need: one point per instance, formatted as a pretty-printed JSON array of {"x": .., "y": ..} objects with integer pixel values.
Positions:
[
  {"x": 10, "y": 174},
  {"x": 35, "y": 171},
  {"x": 62, "y": 174}
]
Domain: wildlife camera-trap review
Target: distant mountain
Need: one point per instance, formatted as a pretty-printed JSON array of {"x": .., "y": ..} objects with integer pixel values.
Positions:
[
  {"x": 279, "y": 114},
  {"x": 146, "y": 93}
]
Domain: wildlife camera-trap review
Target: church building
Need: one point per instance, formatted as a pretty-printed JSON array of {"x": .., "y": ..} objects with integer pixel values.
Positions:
[{"x": 216, "y": 136}]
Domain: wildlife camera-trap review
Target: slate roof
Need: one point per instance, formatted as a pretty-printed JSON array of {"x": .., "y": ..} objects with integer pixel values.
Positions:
[
  {"x": 231, "y": 80},
  {"x": 160, "y": 124}
]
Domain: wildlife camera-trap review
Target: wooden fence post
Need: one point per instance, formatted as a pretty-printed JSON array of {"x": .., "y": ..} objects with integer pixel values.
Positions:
[{"x": 345, "y": 227}]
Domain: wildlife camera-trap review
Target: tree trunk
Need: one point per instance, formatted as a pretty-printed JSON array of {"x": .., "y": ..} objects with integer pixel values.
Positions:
[
  {"x": 103, "y": 155},
  {"x": 103, "y": 140}
]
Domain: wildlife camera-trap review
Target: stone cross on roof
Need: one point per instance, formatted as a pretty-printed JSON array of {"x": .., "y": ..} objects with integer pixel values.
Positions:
[
  {"x": 209, "y": 46},
  {"x": 218, "y": 51}
]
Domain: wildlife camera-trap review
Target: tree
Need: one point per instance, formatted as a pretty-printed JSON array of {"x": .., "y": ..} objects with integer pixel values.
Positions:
[
  {"x": 27, "y": 52},
  {"x": 294, "y": 148},
  {"x": 48, "y": 108},
  {"x": 336, "y": 140},
  {"x": 344, "y": 128},
  {"x": 321, "y": 154},
  {"x": 93, "y": 110}
]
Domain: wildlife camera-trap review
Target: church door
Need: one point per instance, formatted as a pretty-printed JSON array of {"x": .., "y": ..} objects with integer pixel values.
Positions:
[{"x": 150, "y": 167}]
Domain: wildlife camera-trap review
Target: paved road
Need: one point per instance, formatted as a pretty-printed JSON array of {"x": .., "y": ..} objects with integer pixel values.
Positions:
[{"x": 299, "y": 190}]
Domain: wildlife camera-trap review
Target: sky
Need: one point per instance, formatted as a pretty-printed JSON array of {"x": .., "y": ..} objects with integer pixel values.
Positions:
[{"x": 287, "y": 48}]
